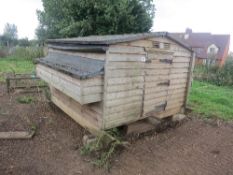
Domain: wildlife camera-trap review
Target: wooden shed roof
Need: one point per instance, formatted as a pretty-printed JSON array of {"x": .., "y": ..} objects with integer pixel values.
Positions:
[
  {"x": 101, "y": 41},
  {"x": 76, "y": 66}
]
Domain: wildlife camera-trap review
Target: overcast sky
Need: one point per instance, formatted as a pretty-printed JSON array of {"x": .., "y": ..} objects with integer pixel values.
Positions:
[
  {"x": 22, "y": 13},
  {"x": 171, "y": 15}
]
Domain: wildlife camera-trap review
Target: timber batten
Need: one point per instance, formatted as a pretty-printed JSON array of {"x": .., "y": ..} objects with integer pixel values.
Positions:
[{"x": 114, "y": 80}]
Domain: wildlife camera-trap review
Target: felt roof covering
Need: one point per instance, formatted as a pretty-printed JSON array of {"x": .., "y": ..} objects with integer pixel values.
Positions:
[
  {"x": 79, "y": 67},
  {"x": 101, "y": 41}
]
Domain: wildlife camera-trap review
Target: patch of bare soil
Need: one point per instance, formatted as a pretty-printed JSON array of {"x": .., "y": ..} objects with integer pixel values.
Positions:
[{"x": 195, "y": 147}]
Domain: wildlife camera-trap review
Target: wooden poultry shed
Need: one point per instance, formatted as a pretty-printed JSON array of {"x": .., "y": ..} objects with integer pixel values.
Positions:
[{"x": 109, "y": 81}]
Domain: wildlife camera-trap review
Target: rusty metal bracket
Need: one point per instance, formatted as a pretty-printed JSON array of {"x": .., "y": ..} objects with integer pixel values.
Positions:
[{"x": 167, "y": 61}]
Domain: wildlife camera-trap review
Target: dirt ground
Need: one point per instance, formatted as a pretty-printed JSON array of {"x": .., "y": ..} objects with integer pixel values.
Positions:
[{"x": 196, "y": 147}]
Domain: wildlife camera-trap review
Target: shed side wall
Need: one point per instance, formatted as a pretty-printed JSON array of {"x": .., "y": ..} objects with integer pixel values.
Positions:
[
  {"x": 133, "y": 88},
  {"x": 123, "y": 88}
]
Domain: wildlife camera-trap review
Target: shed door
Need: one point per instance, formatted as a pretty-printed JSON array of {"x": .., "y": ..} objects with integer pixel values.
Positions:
[{"x": 158, "y": 70}]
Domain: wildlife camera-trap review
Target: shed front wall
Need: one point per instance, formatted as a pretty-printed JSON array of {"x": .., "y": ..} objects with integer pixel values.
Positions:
[{"x": 142, "y": 81}]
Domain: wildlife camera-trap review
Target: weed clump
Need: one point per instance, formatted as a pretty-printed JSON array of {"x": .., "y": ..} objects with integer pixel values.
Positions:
[
  {"x": 101, "y": 151},
  {"x": 25, "y": 99}
]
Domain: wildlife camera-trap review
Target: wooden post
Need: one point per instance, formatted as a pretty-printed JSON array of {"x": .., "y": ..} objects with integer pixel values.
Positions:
[
  {"x": 8, "y": 85},
  {"x": 189, "y": 82}
]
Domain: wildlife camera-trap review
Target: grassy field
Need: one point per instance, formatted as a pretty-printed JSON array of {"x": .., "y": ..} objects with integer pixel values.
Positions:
[
  {"x": 211, "y": 101},
  {"x": 17, "y": 65}
]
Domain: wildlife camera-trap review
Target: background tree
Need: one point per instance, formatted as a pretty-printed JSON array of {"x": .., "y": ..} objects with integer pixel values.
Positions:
[
  {"x": 63, "y": 18},
  {"x": 10, "y": 35},
  {"x": 23, "y": 42}
]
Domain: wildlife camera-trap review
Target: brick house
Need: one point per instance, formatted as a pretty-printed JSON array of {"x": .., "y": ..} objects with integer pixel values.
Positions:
[{"x": 206, "y": 45}]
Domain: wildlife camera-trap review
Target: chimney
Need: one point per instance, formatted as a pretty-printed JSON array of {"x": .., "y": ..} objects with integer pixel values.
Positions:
[{"x": 188, "y": 31}]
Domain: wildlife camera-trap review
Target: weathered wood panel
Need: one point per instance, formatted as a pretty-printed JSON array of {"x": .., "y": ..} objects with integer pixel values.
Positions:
[
  {"x": 159, "y": 77},
  {"x": 151, "y": 102},
  {"x": 158, "y": 65},
  {"x": 152, "y": 78},
  {"x": 166, "y": 71},
  {"x": 124, "y": 87},
  {"x": 175, "y": 103},
  {"x": 122, "y": 57},
  {"x": 124, "y": 77},
  {"x": 81, "y": 114},
  {"x": 170, "y": 82},
  {"x": 166, "y": 79},
  {"x": 164, "y": 114},
  {"x": 124, "y": 94},
  {"x": 125, "y": 73},
  {"x": 125, "y": 49},
  {"x": 127, "y": 100},
  {"x": 80, "y": 90},
  {"x": 124, "y": 80},
  {"x": 165, "y": 92}
]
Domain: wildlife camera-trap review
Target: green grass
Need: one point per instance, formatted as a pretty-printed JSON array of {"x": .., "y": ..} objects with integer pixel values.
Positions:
[
  {"x": 17, "y": 65},
  {"x": 25, "y": 99},
  {"x": 211, "y": 101}
]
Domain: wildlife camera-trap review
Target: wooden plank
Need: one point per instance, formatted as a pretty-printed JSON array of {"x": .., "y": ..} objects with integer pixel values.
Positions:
[
  {"x": 182, "y": 54},
  {"x": 17, "y": 135},
  {"x": 158, "y": 65},
  {"x": 162, "y": 39},
  {"x": 126, "y": 49},
  {"x": 126, "y": 65},
  {"x": 158, "y": 51},
  {"x": 123, "y": 94},
  {"x": 123, "y": 101},
  {"x": 141, "y": 43},
  {"x": 74, "y": 110},
  {"x": 159, "y": 89},
  {"x": 168, "y": 71},
  {"x": 124, "y": 107},
  {"x": 124, "y": 73},
  {"x": 124, "y": 87},
  {"x": 181, "y": 60},
  {"x": 91, "y": 98},
  {"x": 126, "y": 80},
  {"x": 190, "y": 75},
  {"x": 170, "y": 104},
  {"x": 123, "y": 118},
  {"x": 126, "y": 57},
  {"x": 164, "y": 93},
  {"x": 171, "y": 82},
  {"x": 174, "y": 97},
  {"x": 153, "y": 56},
  {"x": 156, "y": 78},
  {"x": 164, "y": 114}
]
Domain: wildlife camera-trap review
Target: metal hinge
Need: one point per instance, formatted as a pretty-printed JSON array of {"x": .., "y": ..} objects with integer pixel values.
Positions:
[
  {"x": 161, "y": 107},
  {"x": 168, "y": 61},
  {"x": 166, "y": 83}
]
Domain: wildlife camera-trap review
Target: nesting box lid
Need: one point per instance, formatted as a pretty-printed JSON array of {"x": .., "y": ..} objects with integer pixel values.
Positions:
[{"x": 77, "y": 66}]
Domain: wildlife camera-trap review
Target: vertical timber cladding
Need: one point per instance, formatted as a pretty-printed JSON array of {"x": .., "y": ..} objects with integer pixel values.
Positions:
[{"x": 124, "y": 82}]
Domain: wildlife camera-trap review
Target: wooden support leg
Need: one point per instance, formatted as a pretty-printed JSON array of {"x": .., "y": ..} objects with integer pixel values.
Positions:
[{"x": 8, "y": 85}]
